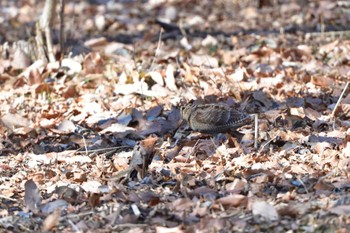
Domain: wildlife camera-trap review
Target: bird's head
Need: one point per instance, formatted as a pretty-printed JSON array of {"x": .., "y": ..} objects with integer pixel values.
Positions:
[{"x": 186, "y": 111}]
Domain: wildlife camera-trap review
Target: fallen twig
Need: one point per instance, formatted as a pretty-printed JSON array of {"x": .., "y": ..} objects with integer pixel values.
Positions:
[
  {"x": 256, "y": 131},
  {"x": 338, "y": 102}
]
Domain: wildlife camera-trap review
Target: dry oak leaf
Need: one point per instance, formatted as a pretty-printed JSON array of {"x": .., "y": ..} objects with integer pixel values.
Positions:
[
  {"x": 32, "y": 198},
  {"x": 234, "y": 200},
  {"x": 52, "y": 220},
  {"x": 265, "y": 210}
]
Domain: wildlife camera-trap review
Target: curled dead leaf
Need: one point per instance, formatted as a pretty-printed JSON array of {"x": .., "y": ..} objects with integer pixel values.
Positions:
[
  {"x": 265, "y": 210},
  {"x": 156, "y": 77},
  {"x": 322, "y": 185},
  {"x": 182, "y": 204},
  {"x": 234, "y": 200},
  {"x": 50, "y": 207},
  {"x": 94, "y": 199},
  {"x": 160, "y": 229},
  {"x": 170, "y": 79},
  {"x": 52, "y": 220},
  {"x": 32, "y": 198}
]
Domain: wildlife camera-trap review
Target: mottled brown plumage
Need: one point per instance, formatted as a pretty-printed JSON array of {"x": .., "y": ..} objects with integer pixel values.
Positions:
[{"x": 213, "y": 118}]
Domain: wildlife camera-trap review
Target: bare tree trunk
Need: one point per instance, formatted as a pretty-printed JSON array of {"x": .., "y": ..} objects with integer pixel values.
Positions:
[
  {"x": 43, "y": 37},
  {"x": 62, "y": 39}
]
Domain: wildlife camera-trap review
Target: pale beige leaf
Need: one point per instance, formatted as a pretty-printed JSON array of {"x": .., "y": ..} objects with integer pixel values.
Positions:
[
  {"x": 234, "y": 200},
  {"x": 265, "y": 210},
  {"x": 170, "y": 79},
  {"x": 52, "y": 220}
]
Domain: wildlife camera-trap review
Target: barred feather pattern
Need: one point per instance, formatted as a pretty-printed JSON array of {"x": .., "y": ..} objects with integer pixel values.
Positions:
[{"x": 213, "y": 118}]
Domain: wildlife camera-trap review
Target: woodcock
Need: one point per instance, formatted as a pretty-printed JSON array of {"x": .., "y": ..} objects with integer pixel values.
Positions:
[{"x": 214, "y": 118}]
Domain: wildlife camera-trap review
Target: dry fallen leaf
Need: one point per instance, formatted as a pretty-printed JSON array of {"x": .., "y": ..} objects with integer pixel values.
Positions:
[
  {"x": 265, "y": 210},
  {"x": 32, "y": 198},
  {"x": 51, "y": 220},
  {"x": 15, "y": 120},
  {"x": 170, "y": 79},
  {"x": 50, "y": 207},
  {"x": 233, "y": 200},
  {"x": 342, "y": 210},
  {"x": 94, "y": 199},
  {"x": 181, "y": 204},
  {"x": 160, "y": 229},
  {"x": 70, "y": 125}
]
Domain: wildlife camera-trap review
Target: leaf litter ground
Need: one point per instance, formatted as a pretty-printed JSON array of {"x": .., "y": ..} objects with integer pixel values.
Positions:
[{"x": 98, "y": 144}]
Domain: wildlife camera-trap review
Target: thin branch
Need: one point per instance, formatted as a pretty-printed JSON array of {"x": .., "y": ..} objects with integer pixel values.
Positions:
[
  {"x": 101, "y": 150},
  {"x": 158, "y": 48},
  {"x": 62, "y": 27},
  {"x": 338, "y": 102},
  {"x": 340, "y": 98},
  {"x": 85, "y": 145},
  {"x": 8, "y": 198},
  {"x": 256, "y": 131},
  {"x": 262, "y": 147}
]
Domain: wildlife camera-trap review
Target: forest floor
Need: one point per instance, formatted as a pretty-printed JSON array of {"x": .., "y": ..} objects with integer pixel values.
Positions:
[{"x": 95, "y": 143}]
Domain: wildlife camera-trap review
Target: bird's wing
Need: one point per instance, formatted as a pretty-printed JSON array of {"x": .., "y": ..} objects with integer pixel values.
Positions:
[{"x": 211, "y": 114}]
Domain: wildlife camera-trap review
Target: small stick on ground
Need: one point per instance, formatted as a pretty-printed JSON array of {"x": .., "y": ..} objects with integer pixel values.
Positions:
[
  {"x": 338, "y": 102},
  {"x": 256, "y": 131},
  {"x": 263, "y": 146},
  {"x": 157, "y": 50}
]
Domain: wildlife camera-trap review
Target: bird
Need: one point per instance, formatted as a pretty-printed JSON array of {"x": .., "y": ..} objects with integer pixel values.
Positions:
[{"x": 213, "y": 118}]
